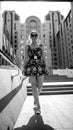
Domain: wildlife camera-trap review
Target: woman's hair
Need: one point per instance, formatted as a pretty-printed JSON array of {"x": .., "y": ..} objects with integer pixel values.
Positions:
[{"x": 33, "y": 34}]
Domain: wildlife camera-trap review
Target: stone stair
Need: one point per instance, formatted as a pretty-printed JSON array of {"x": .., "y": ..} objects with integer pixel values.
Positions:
[{"x": 54, "y": 85}]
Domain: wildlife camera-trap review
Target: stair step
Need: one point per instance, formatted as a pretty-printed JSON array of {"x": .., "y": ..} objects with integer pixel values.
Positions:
[
  {"x": 55, "y": 83},
  {"x": 53, "y": 89},
  {"x": 54, "y": 86},
  {"x": 54, "y": 92}
]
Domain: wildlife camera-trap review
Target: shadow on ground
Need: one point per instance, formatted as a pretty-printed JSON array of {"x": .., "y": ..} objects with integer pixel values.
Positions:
[{"x": 35, "y": 123}]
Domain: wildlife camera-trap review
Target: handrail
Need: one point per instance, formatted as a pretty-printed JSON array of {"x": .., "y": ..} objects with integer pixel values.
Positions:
[
  {"x": 13, "y": 66},
  {"x": 13, "y": 76},
  {"x": 9, "y": 60},
  {"x": 6, "y": 57}
]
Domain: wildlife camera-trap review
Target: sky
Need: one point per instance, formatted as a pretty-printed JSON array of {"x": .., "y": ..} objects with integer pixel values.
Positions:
[{"x": 38, "y": 8}]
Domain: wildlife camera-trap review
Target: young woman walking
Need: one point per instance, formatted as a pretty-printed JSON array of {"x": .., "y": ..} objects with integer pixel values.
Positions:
[{"x": 35, "y": 67}]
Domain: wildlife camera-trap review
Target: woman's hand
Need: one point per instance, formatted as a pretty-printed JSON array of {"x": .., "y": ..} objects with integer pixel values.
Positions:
[{"x": 46, "y": 71}]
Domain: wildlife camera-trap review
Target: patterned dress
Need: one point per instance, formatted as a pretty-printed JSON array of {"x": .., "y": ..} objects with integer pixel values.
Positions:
[{"x": 35, "y": 65}]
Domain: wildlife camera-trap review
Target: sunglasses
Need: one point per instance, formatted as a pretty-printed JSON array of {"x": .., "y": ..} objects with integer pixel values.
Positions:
[{"x": 33, "y": 35}]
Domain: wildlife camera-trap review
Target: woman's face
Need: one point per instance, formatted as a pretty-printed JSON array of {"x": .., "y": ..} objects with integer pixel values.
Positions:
[{"x": 34, "y": 37}]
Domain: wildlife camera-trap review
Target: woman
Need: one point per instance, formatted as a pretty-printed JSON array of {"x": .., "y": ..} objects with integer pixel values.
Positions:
[{"x": 35, "y": 67}]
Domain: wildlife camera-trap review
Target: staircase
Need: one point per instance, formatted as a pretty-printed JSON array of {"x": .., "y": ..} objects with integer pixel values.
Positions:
[{"x": 54, "y": 85}]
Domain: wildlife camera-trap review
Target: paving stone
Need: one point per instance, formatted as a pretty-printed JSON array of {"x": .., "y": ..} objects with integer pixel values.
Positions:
[{"x": 56, "y": 112}]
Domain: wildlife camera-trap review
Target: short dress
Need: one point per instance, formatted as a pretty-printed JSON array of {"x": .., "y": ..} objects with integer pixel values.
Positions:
[{"x": 35, "y": 65}]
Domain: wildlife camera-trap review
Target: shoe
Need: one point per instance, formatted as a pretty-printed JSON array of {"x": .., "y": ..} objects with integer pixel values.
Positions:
[{"x": 37, "y": 110}]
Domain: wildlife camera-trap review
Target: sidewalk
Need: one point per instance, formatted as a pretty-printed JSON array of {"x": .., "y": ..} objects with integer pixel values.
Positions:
[{"x": 56, "y": 114}]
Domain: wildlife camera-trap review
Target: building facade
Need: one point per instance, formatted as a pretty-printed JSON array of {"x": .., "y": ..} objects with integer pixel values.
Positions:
[
  {"x": 72, "y": 15},
  {"x": 10, "y": 37},
  {"x": 54, "y": 19},
  {"x": 62, "y": 58},
  {"x": 69, "y": 39},
  {"x": 21, "y": 46},
  {"x": 0, "y": 29},
  {"x": 45, "y": 41}
]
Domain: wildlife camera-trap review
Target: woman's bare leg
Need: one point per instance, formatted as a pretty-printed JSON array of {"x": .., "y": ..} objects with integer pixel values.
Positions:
[
  {"x": 40, "y": 83},
  {"x": 34, "y": 90}
]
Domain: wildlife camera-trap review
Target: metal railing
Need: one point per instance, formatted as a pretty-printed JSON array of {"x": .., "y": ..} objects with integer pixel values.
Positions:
[
  {"x": 6, "y": 63},
  {"x": 4, "y": 60}
]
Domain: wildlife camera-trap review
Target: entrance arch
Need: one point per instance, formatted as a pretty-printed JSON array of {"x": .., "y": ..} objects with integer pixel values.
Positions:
[{"x": 32, "y": 23}]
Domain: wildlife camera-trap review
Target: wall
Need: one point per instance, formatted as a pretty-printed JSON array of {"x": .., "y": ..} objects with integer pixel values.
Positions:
[
  {"x": 12, "y": 96},
  {"x": 66, "y": 72},
  {"x": 0, "y": 28}
]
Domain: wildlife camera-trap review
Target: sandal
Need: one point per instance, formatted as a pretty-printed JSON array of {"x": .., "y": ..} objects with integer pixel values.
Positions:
[{"x": 37, "y": 110}]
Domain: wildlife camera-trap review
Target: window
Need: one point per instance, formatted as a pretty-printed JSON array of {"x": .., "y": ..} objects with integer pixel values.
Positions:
[
  {"x": 16, "y": 17},
  {"x": 70, "y": 60},
  {"x": 70, "y": 25},
  {"x": 22, "y": 41},
  {"x": 15, "y": 46},
  {"x": 50, "y": 45},
  {"x": 50, "y": 36},
  {"x": 55, "y": 63},
  {"x": 69, "y": 18},
  {"x": 70, "y": 30},
  {"x": 22, "y": 36},
  {"x": 22, "y": 62},
  {"x": 50, "y": 32},
  {"x": 48, "y": 17},
  {"x": 15, "y": 37},
  {"x": 22, "y": 52},
  {"x": 71, "y": 41},
  {"x": 55, "y": 20},
  {"x": 14, "y": 26},
  {"x": 6, "y": 63},
  {"x": 55, "y": 59},
  {"x": 72, "y": 47},
  {"x": 71, "y": 35},
  {"x": 50, "y": 26},
  {"x": 15, "y": 32},
  {"x": 44, "y": 35},
  {"x": 15, "y": 41},
  {"x": 8, "y": 20},
  {"x": 70, "y": 15},
  {"x": 69, "y": 44},
  {"x": 54, "y": 49},
  {"x": 68, "y": 38},
  {"x": 2, "y": 61},
  {"x": 66, "y": 22},
  {"x": 55, "y": 54},
  {"x": 69, "y": 49},
  {"x": 22, "y": 47},
  {"x": 70, "y": 55},
  {"x": 21, "y": 58},
  {"x": 50, "y": 41}
]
